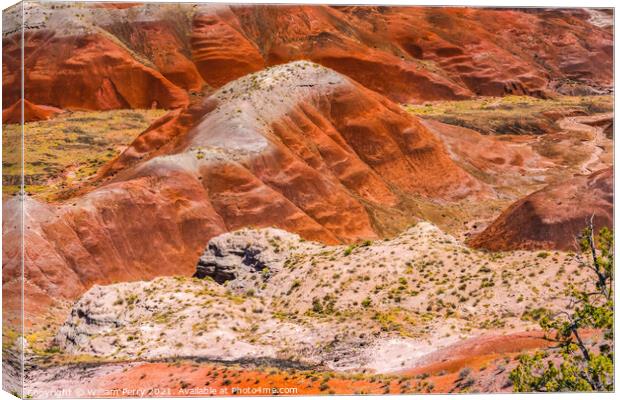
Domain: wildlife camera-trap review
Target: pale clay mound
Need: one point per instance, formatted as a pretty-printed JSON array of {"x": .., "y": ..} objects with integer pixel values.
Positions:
[
  {"x": 246, "y": 109},
  {"x": 380, "y": 306}
]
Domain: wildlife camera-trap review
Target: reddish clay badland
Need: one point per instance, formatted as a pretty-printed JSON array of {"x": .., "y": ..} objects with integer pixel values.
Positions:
[
  {"x": 424, "y": 156},
  {"x": 408, "y": 54}
]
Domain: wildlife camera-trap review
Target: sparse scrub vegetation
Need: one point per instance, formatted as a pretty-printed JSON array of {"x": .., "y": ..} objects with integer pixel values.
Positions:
[
  {"x": 577, "y": 365},
  {"x": 375, "y": 289},
  {"x": 70, "y": 148}
]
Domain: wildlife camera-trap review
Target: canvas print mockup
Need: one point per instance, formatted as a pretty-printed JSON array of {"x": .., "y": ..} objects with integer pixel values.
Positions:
[{"x": 251, "y": 199}]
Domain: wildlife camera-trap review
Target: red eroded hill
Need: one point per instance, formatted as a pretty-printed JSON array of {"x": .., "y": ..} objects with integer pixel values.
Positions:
[
  {"x": 497, "y": 51},
  {"x": 88, "y": 71},
  {"x": 411, "y": 54},
  {"x": 164, "y": 42},
  {"x": 32, "y": 112},
  {"x": 220, "y": 48},
  {"x": 297, "y": 146},
  {"x": 551, "y": 218},
  {"x": 147, "y": 55},
  {"x": 271, "y": 35}
]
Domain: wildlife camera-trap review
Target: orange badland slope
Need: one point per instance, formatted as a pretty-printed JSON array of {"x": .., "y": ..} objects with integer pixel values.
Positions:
[
  {"x": 411, "y": 54},
  {"x": 552, "y": 217},
  {"x": 441, "y": 368},
  {"x": 84, "y": 72},
  {"x": 297, "y": 146},
  {"x": 31, "y": 112},
  {"x": 150, "y": 55}
]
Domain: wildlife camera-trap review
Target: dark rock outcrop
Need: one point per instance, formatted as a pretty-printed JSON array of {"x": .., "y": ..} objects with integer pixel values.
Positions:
[{"x": 245, "y": 257}]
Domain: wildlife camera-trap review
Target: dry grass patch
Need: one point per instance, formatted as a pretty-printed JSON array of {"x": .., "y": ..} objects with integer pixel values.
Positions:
[
  {"x": 62, "y": 153},
  {"x": 511, "y": 114}
]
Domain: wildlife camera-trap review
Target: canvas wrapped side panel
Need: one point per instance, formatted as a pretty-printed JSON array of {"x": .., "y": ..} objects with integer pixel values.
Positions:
[{"x": 12, "y": 203}]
